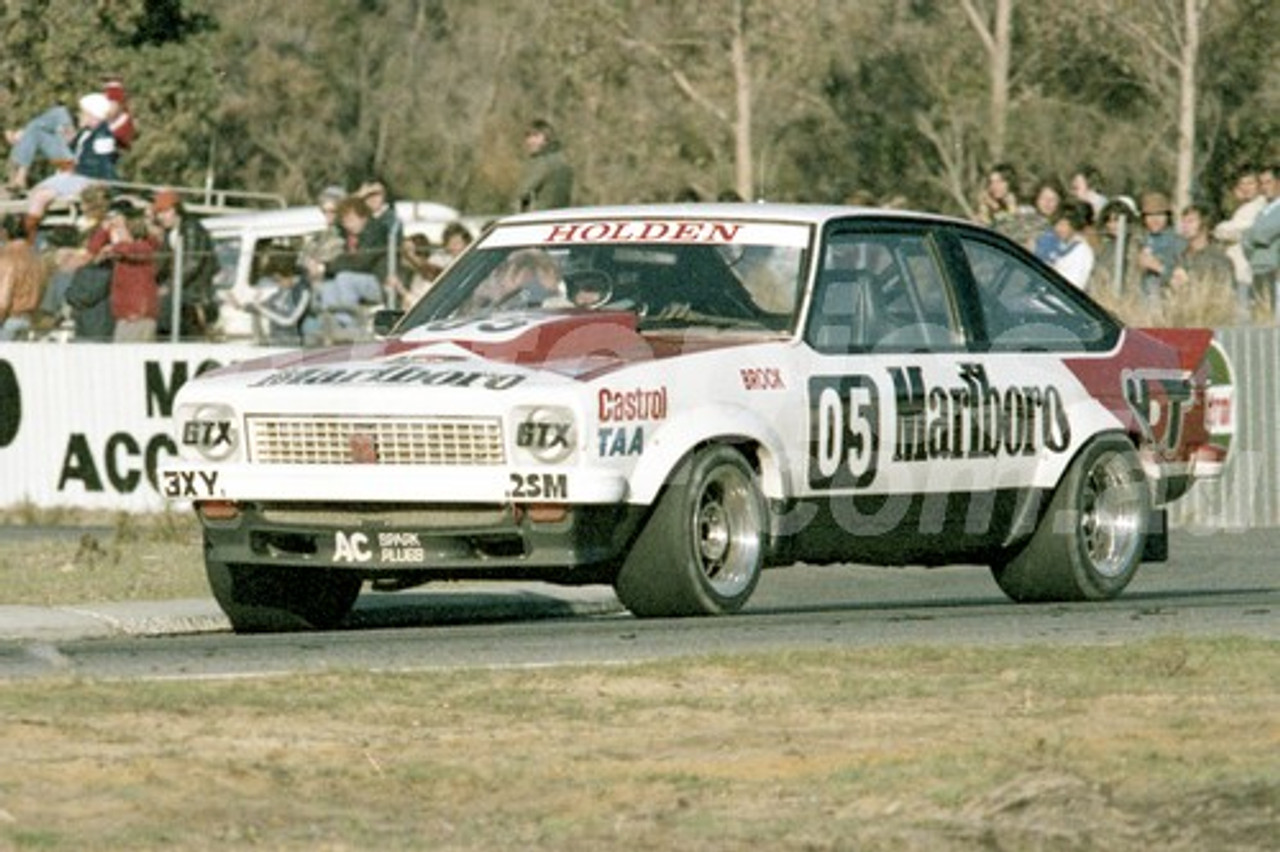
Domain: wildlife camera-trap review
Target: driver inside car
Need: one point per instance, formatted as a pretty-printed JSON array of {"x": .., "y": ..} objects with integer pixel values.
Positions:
[{"x": 527, "y": 279}]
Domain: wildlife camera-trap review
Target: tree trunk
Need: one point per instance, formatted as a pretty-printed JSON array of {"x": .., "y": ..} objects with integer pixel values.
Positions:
[
  {"x": 1000, "y": 59},
  {"x": 1187, "y": 102},
  {"x": 743, "y": 163}
]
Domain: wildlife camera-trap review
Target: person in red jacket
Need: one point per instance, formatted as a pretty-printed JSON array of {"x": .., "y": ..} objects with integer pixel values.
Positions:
[
  {"x": 120, "y": 119},
  {"x": 128, "y": 245}
]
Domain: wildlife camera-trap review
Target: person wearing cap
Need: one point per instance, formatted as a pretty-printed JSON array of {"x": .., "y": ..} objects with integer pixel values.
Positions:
[
  {"x": 547, "y": 182},
  {"x": 94, "y": 151},
  {"x": 1160, "y": 245},
  {"x": 95, "y": 146},
  {"x": 199, "y": 307},
  {"x": 120, "y": 119},
  {"x": 384, "y": 220}
]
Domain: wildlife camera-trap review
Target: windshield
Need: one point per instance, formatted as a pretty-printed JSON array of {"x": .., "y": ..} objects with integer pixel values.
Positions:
[{"x": 671, "y": 273}]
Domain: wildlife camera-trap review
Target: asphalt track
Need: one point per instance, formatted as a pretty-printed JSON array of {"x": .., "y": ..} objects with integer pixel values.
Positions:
[{"x": 1219, "y": 584}]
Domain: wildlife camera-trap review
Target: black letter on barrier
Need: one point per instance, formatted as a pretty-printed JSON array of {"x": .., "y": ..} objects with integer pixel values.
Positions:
[
  {"x": 124, "y": 483},
  {"x": 10, "y": 404},
  {"x": 158, "y": 444},
  {"x": 160, "y": 395},
  {"x": 78, "y": 464}
]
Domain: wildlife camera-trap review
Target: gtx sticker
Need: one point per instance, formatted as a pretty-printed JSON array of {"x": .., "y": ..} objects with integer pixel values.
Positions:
[
  {"x": 974, "y": 419},
  {"x": 543, "y": 435},
  {"x": 534, "y": 486},
  {"x": 206, "y": 434}
]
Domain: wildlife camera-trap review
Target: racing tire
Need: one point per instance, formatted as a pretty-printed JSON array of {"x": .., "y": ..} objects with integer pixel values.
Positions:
[
  {"x": 274, "y": 600},
  {"x": 1089, "y": 544},
  {"x": 703, "y": 548}
]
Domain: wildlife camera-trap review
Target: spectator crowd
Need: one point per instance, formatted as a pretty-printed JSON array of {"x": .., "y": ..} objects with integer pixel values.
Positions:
[
  {"x": 1149, "y": 262},
  {"x": 138, "y": 268}
]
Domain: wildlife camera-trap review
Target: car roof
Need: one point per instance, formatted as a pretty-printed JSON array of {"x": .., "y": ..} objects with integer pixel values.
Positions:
[
  {"x": 294, "y": 221},
  {"x": 812, "y": 214}
]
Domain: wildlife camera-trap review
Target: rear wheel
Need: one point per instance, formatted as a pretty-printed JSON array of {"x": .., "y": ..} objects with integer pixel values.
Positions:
[
  {"x": 703, "y": 548},
  {"x": 270, "y": 600},
  {"x": 1089, "y": 544}
]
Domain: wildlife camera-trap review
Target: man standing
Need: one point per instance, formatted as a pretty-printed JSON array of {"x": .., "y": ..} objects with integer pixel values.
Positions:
[
  {"x": 1262, "y": 244},
  {"x": 1203, "y": 261},
  {"x": 1161, "y": 246},
  {"x": 547, "y": 182},
  {"x": 1249, "y": 202},
  {"x": 185, "y": 235}
]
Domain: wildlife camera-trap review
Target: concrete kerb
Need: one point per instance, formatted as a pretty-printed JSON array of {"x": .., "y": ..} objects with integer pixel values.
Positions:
[{"x": 461, "y": 603}]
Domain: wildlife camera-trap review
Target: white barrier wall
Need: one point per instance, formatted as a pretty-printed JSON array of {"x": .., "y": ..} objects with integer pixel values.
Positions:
[
  {"x": 86, "y": 424},
  {"x": 1248, "y": 494}
]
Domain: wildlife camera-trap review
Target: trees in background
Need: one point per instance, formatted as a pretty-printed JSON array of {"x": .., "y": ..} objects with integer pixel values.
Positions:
[{"x": 805, "y": 101}]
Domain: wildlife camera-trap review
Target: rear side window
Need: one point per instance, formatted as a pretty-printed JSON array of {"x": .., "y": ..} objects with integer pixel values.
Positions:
[
  {"x": 1025, "y": 309},
  {"x": 881, "y": 292}
]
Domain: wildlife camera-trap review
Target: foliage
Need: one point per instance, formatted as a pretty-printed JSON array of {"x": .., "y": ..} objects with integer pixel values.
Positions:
[{"x": 887, "y": 98}]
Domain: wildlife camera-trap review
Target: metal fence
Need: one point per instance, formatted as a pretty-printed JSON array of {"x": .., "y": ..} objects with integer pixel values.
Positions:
[{"x": 1248, "y": 495}]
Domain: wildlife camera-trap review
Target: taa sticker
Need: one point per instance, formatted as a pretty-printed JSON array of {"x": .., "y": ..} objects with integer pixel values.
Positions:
[
  {"x": 530, "y": 486},
  {"x": 181, "y": 484},
  {"x": 621, "y": 441}
]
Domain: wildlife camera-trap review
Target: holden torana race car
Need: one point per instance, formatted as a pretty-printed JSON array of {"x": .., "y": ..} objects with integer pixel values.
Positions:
[{"x": 670, "y": 399}]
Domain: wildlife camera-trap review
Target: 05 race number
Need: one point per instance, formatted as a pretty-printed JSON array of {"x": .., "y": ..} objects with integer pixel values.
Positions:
[{"x": 844, "y": 431}]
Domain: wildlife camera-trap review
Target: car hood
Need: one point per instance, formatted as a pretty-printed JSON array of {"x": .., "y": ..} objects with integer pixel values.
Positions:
[{"x": 498, "y": 352}]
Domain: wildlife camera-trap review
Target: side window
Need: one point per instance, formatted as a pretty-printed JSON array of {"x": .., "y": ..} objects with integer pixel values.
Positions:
[
  {"x": 227, "y": 250},
  {"x": 1026, "y": 310},
  {"x": 881, "y": 292}
]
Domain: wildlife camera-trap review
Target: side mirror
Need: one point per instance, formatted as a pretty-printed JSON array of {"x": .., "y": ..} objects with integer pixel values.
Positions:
[{"x": 384, "y": 321}]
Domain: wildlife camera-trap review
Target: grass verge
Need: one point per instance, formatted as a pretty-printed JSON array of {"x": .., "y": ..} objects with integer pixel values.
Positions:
[
  {"x": 1168, "y": 744},
  {"x": 100, "y": 556}
]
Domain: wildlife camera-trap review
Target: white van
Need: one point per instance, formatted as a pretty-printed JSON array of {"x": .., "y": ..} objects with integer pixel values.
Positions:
[{"x": 242, "y": 242}]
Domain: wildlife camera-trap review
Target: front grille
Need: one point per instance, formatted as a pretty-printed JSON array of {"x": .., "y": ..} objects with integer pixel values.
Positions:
[{"x": 376, "y": 440}]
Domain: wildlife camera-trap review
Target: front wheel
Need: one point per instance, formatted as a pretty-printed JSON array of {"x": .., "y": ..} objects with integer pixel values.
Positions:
[
  {"x": 703, "y": 548},
  {"x": 1089, "y": 544},
  {"x": 272, "y": 600}
]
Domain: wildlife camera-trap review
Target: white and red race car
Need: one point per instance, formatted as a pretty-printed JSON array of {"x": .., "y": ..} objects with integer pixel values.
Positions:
[{"x": 672, "y": 398}]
